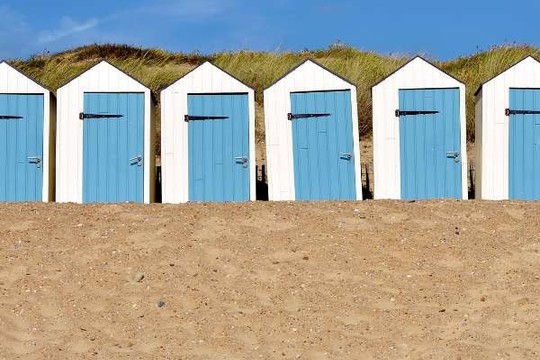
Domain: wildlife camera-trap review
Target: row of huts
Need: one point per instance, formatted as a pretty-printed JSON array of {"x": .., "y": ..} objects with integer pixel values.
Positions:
[{"x": 94, "y": 141}]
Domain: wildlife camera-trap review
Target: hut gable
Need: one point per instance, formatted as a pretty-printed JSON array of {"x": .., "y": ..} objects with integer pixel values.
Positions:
[
  {"x": 309, "y": 77},
  {"x": 493, "y": 129},
  {"x": 216, "y": 89},
  {"x": 103, "y": 78},
  {"x": 422, "y": 76}
]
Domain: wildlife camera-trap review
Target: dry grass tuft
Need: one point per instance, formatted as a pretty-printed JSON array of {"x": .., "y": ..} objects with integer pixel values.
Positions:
[{"x": 157, "y": 68}]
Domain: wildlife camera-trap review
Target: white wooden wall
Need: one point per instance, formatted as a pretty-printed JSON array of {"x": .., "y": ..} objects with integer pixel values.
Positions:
[
  {"x": 69, "y": 138},
  {"x": 417, "y": 74},
  {"x": 492, "y": 173},
  {"x": 14, "y": 82},
  {"x": 309, "y": 76},
  {"x": 206, "y": 78}
]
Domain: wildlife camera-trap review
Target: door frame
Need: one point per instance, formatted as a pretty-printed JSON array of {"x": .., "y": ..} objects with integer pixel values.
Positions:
[
  {"x": 148, "y": 146},
  {"x": 461, "y": 136},
  {"x": 251, "y": 160},
  {"x": 354, "y": 137},
  {"x": 47, "y": 138}
]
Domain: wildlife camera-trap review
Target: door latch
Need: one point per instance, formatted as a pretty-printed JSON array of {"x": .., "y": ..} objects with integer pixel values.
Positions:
[
  {"x": 345, "y": 156},
  {"x": 242, "y": 160},
  {"x": 137, "y": 160},
  {"x": 453, "y": 155},
  {"x": 34, "y": 160}
]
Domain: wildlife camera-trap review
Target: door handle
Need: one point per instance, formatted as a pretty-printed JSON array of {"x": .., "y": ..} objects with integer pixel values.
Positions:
[
  {"x": 345, "y": 156},
  {"x": 242, "y": 160},
  {"x": 453, "y": 155},
  {"x": 34, "y": 160},
  {"x": 137, "y": 160}
]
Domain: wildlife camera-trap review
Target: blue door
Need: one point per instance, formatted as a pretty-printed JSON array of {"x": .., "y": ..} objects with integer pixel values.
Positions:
[
  {"x": 113, "y": 154},
  {"x": 21, "y": 147},
  {"x": 218, "y": 127},
  {"x": 323, "y": 145},
  {"x": 524, "y": 152},
  {"x": 430, "y": 143}
]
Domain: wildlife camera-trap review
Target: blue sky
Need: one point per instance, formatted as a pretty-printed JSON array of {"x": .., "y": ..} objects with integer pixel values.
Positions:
[{"x": 439, "y": 29}]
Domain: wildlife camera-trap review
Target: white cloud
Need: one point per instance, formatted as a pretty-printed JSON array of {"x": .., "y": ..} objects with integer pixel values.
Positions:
[{"x": 68, "y": 27}]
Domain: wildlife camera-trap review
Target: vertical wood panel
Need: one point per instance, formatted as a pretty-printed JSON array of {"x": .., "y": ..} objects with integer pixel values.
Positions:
[
  {"x": 110, "y": 144},
  {"x": 417, "y": 74},
  {"x": 308, "y": 77},
  {"x": 205, "y": 79},
  {"x": 320, "y": 170},
  {"x": 524, "y": 145},
  {"x": 215, "y": 146},
  {"x": 426, "y": 170},
  {"x": 21, "y": 178},
  {"x": 101, "y": 78}
]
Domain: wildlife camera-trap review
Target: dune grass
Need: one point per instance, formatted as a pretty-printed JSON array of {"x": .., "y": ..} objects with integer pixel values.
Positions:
[{"x": 157, "y": 69}]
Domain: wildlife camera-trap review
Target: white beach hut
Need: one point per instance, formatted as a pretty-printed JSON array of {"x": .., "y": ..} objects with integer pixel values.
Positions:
[
  {"x": 312, "y": 141},
  {"x": 27, "y": 116},
  {"x": 507, "y": 129},
  {"x": 208, "y": 138},
  {"x": 419, "y": 138},
  {"x": 105, "y": 138}
]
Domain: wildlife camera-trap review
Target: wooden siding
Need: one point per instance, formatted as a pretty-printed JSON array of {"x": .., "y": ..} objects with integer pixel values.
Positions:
[
  {"x": 205, "y": 79},
  {"x": 279, "y": 144},
  {"x": 417, "y": 74},
  {"x": 492, "y": 160},
  {"x": 14, "y": 82},
  {"x": 69, "y": 144}
]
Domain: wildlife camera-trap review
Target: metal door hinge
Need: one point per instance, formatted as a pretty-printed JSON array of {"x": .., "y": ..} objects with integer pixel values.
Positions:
[
  {"x": 414, "y": 112},
  {"x": 509, "y": 112},
  {"x": 345, "y": 156},
  {"x": 10, "y": 117},
  {"x": 292, "y": 116},
  {"x": 203, "y": 117},
  {"x": 83, "y": 116}
]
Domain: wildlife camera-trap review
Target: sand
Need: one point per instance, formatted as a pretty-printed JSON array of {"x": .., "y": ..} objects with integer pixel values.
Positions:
[{"x": 351, "y": 280}]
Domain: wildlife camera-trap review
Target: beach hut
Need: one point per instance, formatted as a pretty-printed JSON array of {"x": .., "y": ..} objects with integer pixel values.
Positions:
[
  {"x": 26, "y": 138},
  {"x": 208, "y": 138},
  {"x": 312, "y": 142},
  {"x": 105, "y": 138},
  {"x": 507, "y": 128},
  {"x": 419, "y": 143}
]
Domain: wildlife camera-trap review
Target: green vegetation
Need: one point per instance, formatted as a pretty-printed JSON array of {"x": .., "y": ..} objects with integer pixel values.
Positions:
[{"x": 157, "y": 69}]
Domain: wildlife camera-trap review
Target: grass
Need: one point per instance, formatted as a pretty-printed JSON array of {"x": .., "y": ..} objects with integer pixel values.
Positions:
[{"x": 157, "y": 69}]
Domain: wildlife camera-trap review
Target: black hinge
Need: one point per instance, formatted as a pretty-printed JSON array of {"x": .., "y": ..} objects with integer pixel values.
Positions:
[
  {"x": 83, "y": 116},
  {"x": 415, "y": 112},
  {"x": 9, "y": 117},
  {"x": 509, "y": 112},
  {"x": 196, "y": 117},
  {"x": 303, "y": 116}
]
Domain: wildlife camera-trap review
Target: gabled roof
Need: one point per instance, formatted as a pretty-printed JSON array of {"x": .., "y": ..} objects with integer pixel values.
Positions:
[
  {"x": 314, "y": 62},
  {"x": 410, "y": 61},
  {"x": 214, "y": 66},
  {"x": 99, "y": 63},
  {"x": 26, "y": 75},
  {"x": 502, "y": 72}
]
